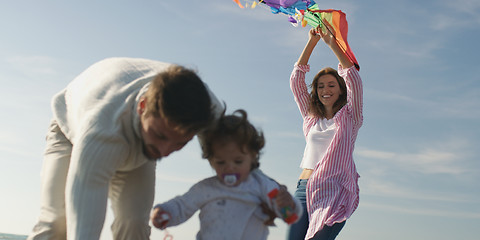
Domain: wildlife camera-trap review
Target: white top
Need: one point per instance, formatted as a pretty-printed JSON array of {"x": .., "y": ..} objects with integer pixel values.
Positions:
[
  {"x": 318, "y": 141},
  {"x": 232, "y": 213}
]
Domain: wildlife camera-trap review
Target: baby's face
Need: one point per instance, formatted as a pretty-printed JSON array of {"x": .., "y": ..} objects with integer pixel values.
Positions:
[{"x": 231, "y": 163}]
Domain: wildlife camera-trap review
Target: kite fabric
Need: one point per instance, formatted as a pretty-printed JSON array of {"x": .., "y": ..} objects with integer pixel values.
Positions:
[{"x": 306, "y": 12}]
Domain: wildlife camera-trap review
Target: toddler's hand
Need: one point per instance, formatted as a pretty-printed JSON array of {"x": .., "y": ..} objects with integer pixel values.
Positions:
[
  {"x": 270, "y": 213},
  {"x": 284, "y": 199},
  {"x": 159, "y": 218}
]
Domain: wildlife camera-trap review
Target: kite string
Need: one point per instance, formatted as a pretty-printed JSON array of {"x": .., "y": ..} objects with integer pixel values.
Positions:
[
  {"x": 336, "y": 40},
  {"x": 334, "y": 37}
]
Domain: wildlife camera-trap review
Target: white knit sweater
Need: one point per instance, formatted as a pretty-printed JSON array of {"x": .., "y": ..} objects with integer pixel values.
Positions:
[
  {"x": 97, "y": 113},
  {"x": 232, "y": 213}
]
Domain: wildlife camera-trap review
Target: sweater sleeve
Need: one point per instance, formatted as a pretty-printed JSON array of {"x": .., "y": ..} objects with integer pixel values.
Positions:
[
  {"x": 93, "y": 163},
  {"x": 181, "y": 208}
]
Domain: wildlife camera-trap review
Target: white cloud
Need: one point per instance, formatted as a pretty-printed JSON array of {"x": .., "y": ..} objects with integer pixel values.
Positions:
[
  {"x": 471, "y": 7},
  {"x": 457, "y": 107},
  {"x": 415, "y": 210},
  {"x": 258, "y": 120},
  {"x": 375, "y": 154},
  {"x": 18, "y": 153},
  {"x": 33, "y": 65},
  {"x": 461, "y": 13},
  {"x": 385, "y": 188},
  {"x": 446, "y": 157}
]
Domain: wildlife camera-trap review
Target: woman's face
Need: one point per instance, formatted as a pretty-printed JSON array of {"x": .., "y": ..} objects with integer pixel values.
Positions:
[{"x": 328, "y": 90}]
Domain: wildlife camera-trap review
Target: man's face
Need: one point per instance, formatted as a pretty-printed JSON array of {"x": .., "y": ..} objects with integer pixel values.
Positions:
[{"x": 160, "y": 138}]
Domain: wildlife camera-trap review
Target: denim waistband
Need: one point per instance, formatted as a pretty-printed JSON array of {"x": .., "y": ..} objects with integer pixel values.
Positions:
[
  {"x": 300, "y": 192},
  {"x": 302, "y": 182}
]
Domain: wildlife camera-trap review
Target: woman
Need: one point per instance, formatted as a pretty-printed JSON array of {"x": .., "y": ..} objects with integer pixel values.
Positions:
[{"x": 332, "y": 116}]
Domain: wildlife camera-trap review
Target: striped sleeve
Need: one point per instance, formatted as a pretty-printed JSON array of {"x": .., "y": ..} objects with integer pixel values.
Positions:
[
  {"x": 354, "y": 92},
  {"x": 299, "y": 88},
  {"x": 301, "y": 94}
]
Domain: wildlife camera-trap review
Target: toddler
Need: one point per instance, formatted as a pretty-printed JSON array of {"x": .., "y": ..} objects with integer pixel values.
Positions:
[{"x": 230, "y": 203}]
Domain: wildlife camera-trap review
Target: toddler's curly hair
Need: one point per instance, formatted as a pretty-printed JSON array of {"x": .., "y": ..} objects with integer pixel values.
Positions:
[{"x": 237, "y": 128}]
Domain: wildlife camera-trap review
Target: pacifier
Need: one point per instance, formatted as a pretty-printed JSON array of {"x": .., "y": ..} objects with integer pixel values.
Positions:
[{"x": 230, "y": 179}]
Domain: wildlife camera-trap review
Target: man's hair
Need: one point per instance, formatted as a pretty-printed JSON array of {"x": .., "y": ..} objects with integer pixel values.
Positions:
[
  {"x": 236, "y": 128},
  {"x": 316, "y": 107},
  {"x": 179, "y": 95}
]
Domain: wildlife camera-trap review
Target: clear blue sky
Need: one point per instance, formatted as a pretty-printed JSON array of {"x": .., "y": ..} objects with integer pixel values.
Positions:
[{"x": 417, "y": 152}]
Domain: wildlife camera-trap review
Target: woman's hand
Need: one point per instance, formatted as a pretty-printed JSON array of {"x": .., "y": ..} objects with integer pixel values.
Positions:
[
  {"x": 313, "y": 35},
  {"x": 327, "y": 33}
]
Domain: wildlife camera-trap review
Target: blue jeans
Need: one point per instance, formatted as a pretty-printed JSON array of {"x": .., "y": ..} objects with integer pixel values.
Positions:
[
  {"x": 329, "y": 233},
  {"x": 298, "y": 230}
]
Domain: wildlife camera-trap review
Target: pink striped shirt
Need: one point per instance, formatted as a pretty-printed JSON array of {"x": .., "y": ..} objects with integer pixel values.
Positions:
[{"x": 332, "y": 189}]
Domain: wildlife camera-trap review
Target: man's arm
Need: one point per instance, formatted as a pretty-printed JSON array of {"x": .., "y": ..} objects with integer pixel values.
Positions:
[{"x": 92, "y": 165}]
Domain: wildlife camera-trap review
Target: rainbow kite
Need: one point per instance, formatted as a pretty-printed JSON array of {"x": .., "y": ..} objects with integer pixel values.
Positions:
[{"x": 306, "y": 12}]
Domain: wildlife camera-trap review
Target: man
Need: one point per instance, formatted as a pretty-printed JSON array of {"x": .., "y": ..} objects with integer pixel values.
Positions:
[{"x": 108, "y": 124}]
